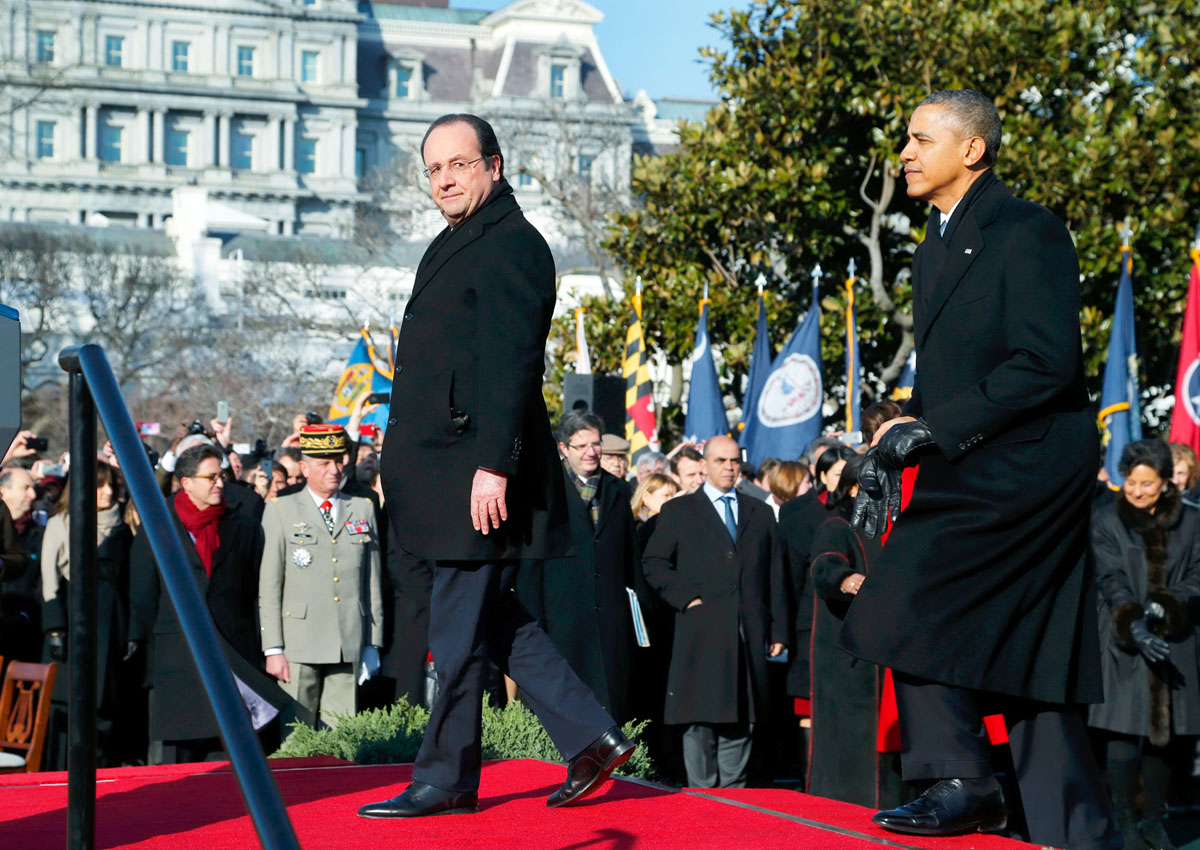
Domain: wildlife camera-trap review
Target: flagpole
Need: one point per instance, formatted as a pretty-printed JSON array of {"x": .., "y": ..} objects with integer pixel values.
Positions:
[
  {"x": 637, "y": 297},
  {"x": 851, "y": 361}
]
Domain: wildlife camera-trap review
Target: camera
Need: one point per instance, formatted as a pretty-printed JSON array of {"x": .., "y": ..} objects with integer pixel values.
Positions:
[
  {"x": 37, "y": 444},
  {"x": 379, "y": 398},
  {"x": 197, "y": 427},
  {"x": 313, "y": 418}
]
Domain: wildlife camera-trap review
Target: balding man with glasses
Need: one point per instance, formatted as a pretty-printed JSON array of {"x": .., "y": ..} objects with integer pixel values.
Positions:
[{"x": 472, "y": 477}]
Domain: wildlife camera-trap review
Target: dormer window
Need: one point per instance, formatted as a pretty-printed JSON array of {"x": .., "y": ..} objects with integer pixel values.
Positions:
[
  {"x": 558, "y": 75},
  {"x": 406, "y": 76},
  {"x": 559, "y": 71}
]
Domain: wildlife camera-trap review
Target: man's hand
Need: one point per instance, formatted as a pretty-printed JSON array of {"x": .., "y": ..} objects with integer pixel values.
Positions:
[
  {"x": 694, "y": 603},
  {"x": 887, "y": 426},
  {"x": 277, "y": 666},
  {"x": 19, "y": 447},
  {"x": 899, "y": 447},
  {"x": 878, "y": 495},
  {"x": 110, "y": 455},
  {"x": 223, "y": 433},
  {"x": 775, "y": 650},
  {"x": 359, "y": 411},
  {"x": 488, "y": 509}
]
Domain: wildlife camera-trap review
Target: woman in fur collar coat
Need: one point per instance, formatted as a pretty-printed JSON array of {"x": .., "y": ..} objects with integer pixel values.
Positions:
[{"x": 1147, "y": 549}]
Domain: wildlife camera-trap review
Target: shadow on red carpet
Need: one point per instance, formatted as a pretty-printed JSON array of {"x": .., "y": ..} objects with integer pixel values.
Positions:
[{"x": 199, "y": 806}]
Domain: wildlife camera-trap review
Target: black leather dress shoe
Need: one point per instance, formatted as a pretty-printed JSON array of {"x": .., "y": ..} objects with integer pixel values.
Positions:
[
  {"x": 588, "y": 770},
  {"x": 419, "y": 800},
  {"x": 950, "y": 807}
]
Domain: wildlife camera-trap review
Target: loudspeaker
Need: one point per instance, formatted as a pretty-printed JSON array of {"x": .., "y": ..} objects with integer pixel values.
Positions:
[
  {"x": 602, "y": 394},
  {"x": 10, "y": 376}
]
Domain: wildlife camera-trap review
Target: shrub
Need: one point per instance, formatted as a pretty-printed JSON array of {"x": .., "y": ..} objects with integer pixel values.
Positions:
[{"x": 393, "y": 735}]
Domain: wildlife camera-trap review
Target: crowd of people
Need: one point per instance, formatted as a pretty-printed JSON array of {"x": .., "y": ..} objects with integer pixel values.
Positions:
[{"x": 719, "y": 626}]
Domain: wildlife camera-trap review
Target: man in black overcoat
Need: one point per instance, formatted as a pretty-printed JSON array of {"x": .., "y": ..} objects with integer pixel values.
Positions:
[
  {"x": 715, "y": 559},
  {"x": 982, "y": 600},
  {"x": 581, "y": 600},
  {"x": 183, "y": 727},
  {"x": 472, "y": 477}
]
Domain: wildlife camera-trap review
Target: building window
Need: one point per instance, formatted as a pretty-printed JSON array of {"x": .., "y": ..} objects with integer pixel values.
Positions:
[
  {"x": 45, "y": 47},
  {"x": 110, "y": 143},
  {"x": 360, "y": 163},
  {"x": 45, "y": 140},
  {"x": 177, "y": 147},
  {"x": 306, "y": 156},
  {"x": 585, "y": 166},
  {"x": 245, "y": 61},
  {"x": 179, "y": 56},
  {"x": 308, "y": 66},
  {"x": 242, "y": 154},
  {"x": 523, "y": 179},
  {"x": 113, "y": 47},
  {"x": 310, "y": 2},
  {"x": 403, "y": 81},
  {"x": 558, "y": 77}
]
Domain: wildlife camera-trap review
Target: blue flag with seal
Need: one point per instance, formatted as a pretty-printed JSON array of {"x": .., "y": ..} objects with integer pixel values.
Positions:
[
  {"x": 787, "y": 416},
  {"x": 706, "y": 411},
  {"x": 760, "y": 364},
  {"x": 363, "y": 374},
  {"x": 1120, "y": 416}
]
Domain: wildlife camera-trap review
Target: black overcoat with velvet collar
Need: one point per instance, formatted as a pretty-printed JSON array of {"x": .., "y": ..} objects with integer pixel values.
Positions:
[
  {"x": 467, "y": 393},
  {"x": 986, "y": 580}
]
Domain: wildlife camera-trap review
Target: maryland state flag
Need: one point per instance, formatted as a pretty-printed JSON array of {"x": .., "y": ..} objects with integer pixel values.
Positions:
[
  {"x": 641, "y": 427},
  {"x": 1185, "y": 420},
  {"x": 1120, "y": 417},
  {"x": 363, "y": 373}
]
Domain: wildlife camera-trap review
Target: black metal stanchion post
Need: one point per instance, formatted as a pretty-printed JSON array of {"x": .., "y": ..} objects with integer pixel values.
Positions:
[{"x": 81, "y": 642}]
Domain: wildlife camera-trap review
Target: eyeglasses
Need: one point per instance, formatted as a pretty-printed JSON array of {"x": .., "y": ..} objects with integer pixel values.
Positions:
[
  {"x": 214, "y": 479},
  {"x": 456, "y": 167},
  {"x": 583, "y": 447}
]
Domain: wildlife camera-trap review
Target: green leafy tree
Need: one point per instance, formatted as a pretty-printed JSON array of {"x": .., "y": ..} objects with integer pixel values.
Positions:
[{"x": 798, "y": 164}]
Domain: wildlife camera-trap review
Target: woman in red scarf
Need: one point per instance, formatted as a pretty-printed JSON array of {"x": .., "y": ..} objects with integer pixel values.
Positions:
[{"x": 223, "y": 546}]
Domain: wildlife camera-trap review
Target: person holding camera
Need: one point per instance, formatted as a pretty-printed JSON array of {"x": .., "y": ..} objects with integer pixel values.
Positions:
[{"x": 1147, "y": 549}]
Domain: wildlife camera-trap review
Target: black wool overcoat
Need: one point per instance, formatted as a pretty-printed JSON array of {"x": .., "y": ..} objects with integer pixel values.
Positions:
[
  {"x": 467, "y": 393},
  {"x": 581, "y": 602},
  {"x": 986, "y": 581},
  {"x": 743, "y": 604},
  {"x": 843, "y": 761},
  {"x": 799, "y": 520},
  {"x": 180, "y": 708},
  {"x": 1138, "y": 700}
]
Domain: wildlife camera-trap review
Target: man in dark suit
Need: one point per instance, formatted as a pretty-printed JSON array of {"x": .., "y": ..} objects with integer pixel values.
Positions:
[
  {"x": 581, "y": 600},
  {"x": 223, "y": 547},
  {"x": 472, "y": 477},
  {"x": 982, "y": 600},
  {"x": 714, "y": 558}
]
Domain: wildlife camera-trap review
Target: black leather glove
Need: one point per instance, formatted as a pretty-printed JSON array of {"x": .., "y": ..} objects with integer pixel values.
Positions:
[
  {"x": 901, "y": 443},
  {"x": 1152, "y": 648},
  {"x": 56, "y": 643},
  {"x": 878, "y": 495}
]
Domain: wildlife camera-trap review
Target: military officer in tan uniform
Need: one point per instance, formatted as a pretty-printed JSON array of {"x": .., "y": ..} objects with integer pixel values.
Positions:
[{"x": 319, "y": 584}]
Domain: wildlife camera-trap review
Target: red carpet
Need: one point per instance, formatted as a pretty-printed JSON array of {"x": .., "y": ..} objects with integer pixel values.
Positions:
[{"x": 198, "y": 806}]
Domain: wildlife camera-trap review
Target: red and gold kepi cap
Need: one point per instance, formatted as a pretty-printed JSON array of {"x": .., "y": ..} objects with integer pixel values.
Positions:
[{"x": 323, "y": 440}]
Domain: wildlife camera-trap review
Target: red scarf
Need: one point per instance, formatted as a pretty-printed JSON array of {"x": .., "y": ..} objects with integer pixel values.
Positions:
[{"x": 202, "y": 525}]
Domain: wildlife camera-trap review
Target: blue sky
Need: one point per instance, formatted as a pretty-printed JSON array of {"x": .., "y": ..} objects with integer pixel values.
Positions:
[{"x": 650, "y": 44}]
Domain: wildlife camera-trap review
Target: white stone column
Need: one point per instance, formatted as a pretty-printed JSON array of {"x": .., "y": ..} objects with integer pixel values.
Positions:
[
  {"x": 221, "y": 63},
  {"x": 349, "y": 132},
  {"x": 143, "y": 219},
  {"x": 142, "y": 151},
  {"x": 271, "y": 148},
  {"x": 288, "y": 227},
  {"x": 160, "y": 138},
  {"x": 287, "y": 49},
  {"x": 154, "y": 40},
  {"x": 208, "y": 149},
  {"x": 225, "y": 120},
  {"x": 348, "y": 59},
  {"x": 289, "y": 144},
  {"x": 90, "y": 132}
]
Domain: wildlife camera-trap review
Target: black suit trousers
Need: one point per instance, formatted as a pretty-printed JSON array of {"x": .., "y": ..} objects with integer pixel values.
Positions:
[
  {"x": 1062, "y": 792},
  {"x": 475, "y": 615}
]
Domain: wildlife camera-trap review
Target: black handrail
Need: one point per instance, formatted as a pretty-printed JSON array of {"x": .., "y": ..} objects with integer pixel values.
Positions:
[{"x": 94, "y": 389}]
